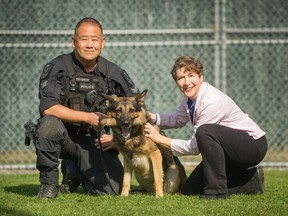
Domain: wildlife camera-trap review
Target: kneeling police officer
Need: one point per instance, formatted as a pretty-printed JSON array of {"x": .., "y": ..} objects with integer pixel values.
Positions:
[{"x": 66, "y": 128}]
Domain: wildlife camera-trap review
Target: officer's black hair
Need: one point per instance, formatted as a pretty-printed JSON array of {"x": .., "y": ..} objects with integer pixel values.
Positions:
[{"x": 88, "y": 20}]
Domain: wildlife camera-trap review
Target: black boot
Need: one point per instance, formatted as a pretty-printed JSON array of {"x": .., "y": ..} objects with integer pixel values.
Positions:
[
  {"x": 71, "y": 176},
  {"x": 48, "y": 191},
  {"x": 252, "y": 182},
  {"x": 259, "y": 178}
]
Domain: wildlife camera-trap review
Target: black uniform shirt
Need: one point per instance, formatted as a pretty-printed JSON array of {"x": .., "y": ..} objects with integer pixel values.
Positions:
[{"x": 51, "y": 84}]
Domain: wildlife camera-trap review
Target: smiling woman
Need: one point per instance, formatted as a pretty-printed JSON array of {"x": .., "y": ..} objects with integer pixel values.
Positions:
[
  {"x": 231, "y": 143},
  {"x": 189, "y": 82}
]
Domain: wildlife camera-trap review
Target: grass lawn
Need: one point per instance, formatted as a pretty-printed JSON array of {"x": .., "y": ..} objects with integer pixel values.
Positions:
[{"x": 17, "y": 197}]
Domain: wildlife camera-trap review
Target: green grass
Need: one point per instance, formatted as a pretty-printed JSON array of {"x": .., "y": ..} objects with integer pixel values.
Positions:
[{"x": 17, "y": 197}]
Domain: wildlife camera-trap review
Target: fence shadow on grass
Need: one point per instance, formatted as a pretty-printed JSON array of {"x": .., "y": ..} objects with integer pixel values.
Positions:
[
  {"x": 29, "y": 190},
  {"x": 9, "y": 211}
]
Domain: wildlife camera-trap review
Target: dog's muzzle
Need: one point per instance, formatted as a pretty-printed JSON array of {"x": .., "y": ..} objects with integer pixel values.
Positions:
[{"x": 126, "y": 130}]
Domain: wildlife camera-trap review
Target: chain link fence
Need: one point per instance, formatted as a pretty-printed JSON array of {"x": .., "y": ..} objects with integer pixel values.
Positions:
[{"x": 243, "y": 45}]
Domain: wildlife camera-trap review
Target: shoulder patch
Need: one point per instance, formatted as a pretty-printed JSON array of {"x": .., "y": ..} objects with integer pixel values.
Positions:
[
  {"x": 135, "y": 90},
  {"x": 131, "y": 84},
  {"x": 43, "y": 84},
  {"x": 46, "y": 70},
  {"x": 127, "y": 78},
  {"x": 45, "y": 74}
]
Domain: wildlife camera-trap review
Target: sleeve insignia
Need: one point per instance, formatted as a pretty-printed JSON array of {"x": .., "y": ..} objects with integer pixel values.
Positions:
[{"x": 46, "y": 70}]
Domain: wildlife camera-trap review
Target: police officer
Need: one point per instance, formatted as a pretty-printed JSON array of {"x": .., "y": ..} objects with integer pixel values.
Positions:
[{"x": 70, "y": 114}]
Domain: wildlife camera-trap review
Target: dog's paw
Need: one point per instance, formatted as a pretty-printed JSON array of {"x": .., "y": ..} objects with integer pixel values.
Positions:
[
  {"x": 124, "y": 194},
  {"x": 159, "y": 195}
]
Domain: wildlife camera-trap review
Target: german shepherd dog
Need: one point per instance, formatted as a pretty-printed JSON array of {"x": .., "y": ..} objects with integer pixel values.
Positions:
[{"x": 155, "y": 168}]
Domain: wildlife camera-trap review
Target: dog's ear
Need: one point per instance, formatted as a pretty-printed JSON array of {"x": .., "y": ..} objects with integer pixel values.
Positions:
[
  {"x": 108, "y": 100},
  {"x": 108, "y": 97},
  {"x": 141, "y": 97}
]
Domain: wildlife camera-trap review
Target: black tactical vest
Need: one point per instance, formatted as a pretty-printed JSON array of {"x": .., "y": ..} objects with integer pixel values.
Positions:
[{"x": 82, "y": 92}]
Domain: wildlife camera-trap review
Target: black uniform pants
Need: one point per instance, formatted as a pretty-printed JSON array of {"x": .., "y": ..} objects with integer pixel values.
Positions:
[
  {"x": 228, "y": 160},
  {"x": 53, "y": 141}
]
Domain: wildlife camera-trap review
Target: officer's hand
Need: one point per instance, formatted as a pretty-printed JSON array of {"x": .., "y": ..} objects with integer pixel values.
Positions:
[
  {"x": 106, "y": 141},
  {"x": 95, "y": 118}
]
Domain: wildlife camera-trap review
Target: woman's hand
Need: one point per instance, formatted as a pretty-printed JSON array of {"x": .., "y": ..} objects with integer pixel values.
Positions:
[
  {"x": 106, "y": 142},
  {"x": 152, "y": 116},
  {"x": 155, "y": 135},
  {"x": 152, "y": 133}
]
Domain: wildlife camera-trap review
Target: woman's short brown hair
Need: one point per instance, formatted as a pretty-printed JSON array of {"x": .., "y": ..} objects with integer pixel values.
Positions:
[{"x": 189, "y": 63}]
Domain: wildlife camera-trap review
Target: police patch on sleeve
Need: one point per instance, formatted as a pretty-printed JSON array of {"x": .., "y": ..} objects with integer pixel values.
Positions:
[
  {"x": 45, "y": 74},
  {"x": 43, "y": 84},
  {"x": 46, "y": 70},
  {"x": 131, "y": 84},
  {"x": 127, "y": 78}
]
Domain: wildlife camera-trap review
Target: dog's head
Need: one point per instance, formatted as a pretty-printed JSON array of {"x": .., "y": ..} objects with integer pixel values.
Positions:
[{"x": 125, "y": 112}]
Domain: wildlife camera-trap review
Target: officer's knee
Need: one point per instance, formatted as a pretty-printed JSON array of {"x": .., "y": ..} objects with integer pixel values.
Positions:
[{"x": 49, "y": 127}]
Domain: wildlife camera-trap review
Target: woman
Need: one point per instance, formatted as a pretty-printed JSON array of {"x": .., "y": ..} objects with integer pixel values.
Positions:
[{"x": 230, "y": 142}]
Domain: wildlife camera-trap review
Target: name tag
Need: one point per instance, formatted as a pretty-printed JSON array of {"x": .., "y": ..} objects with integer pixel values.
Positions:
[{"x": 82, "y": 79}]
